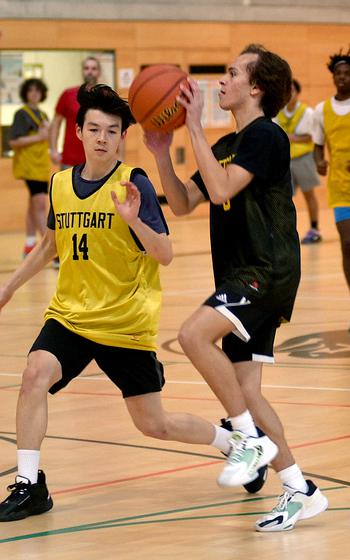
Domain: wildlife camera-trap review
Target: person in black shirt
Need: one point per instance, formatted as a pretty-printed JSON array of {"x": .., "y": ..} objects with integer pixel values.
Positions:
[{"x": 256, "y": 262}]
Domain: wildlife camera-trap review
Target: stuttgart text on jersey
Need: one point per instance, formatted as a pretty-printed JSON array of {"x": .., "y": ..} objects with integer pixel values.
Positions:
[{"x": 99, "y": 220}]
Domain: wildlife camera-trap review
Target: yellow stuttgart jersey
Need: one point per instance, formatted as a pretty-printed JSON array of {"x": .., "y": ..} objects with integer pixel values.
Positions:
[
  {"x": 337, "y": 133},
  {"x": 108, "y": 290},
  {"x": 289, "y": 124}
]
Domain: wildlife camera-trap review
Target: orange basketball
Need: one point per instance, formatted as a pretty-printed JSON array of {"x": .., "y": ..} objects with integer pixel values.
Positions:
[{"x": 152, "y": 97}]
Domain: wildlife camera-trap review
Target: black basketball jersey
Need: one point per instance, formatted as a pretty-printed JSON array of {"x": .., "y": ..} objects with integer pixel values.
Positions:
[{"x": 255, "y": 245}]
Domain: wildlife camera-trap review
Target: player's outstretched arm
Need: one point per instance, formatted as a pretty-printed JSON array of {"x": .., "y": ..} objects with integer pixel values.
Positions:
[
  {"x": 222, "y": 183},
  {"x": 41, "y": 255},
  {"x": 181, "y": 197},
  {"x": 157, "y": 245}
]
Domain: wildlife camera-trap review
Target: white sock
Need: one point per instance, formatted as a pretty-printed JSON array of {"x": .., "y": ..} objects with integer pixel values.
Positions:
[
  {"x": 293, "y": 477},
  {"x": 30, "y": 240},
  {"x": 245, "y": 423},
  {"x": 28, "y": 464},
  {"x": 221, "y": 439}
]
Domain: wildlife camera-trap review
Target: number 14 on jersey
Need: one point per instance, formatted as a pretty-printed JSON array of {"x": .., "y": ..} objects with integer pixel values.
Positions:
[{"x": 80, "y": 247}]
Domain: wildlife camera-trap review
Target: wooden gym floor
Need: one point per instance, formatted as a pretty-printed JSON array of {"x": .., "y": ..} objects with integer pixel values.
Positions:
[{"x": 120, "y": 495}]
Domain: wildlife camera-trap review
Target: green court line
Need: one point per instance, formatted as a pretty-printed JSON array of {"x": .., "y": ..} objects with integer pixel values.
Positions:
[
  {"x": 80, "y": 528},
  {"x": 136, "y": 519},
  {"x": 145, "y": 522}
]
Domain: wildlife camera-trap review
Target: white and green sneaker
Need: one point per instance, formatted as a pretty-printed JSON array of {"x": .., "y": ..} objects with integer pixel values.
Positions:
[
  {"x": 247, "y": 455},
  {"x": 292, "y": 507}
]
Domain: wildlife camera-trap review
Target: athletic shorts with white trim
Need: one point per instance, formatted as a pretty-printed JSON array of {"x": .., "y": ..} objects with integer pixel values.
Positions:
[{"x": 254, "y": 329}]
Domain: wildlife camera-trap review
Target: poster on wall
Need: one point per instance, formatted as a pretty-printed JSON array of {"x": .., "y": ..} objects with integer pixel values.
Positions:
[
  {"x": 11, "y": 68},
  {"x": 125, "y": 77},
  {"x": 33, "y": 70}
]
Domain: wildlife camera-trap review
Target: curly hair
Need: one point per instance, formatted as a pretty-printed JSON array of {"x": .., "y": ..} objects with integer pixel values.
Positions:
[
  {"x": 272, "y": 74},
  {"x": 105, "y": 99},
  {"x": 338, "y": 58},
  {"x": 32, "y": 82}
]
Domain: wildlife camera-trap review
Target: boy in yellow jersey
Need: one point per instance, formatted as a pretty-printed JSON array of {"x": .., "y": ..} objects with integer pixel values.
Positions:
[
  {"x": 296, "y": 119},
  {"x": 108, "y": 229},
  {"x": 332, "y": 129}
]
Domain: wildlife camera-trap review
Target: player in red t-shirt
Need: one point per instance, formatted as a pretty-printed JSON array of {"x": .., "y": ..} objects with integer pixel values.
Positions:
[{"x": 66, "y": 109}]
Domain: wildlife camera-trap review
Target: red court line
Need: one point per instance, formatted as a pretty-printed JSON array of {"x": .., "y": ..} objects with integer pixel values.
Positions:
[
  {"x": 317, "y": 442},
  {"x": 178, "y": 469},
  {"x": 312, "y": 404},
  {"x": 137, "y": 477}
]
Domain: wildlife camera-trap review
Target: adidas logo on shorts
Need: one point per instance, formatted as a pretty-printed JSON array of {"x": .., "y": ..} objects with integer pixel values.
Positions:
[{"x": 222, "y": 297}]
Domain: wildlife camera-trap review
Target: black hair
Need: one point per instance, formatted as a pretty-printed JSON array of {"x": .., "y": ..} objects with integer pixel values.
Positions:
[
  {"x": 32, "y": 82},
  {"x": 105, "y": 99},
  {"x": 272, "y": 74},
  {"x": 296, "y": 85},
  {"x": 338, "y": 58}
]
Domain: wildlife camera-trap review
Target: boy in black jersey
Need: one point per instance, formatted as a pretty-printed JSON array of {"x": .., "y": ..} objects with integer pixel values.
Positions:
[{"x": 255, "y": 253}]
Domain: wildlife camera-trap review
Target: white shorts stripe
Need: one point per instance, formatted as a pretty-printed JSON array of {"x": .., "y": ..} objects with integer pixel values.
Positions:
[
  {"x": 262, "y": 358},
  {"x": 239, "y": 331}
]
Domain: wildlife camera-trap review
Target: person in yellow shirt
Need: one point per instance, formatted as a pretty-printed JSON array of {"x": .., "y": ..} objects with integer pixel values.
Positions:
[
  {"x": 296, "y": 119},
  {"x": 106, "y": 224},
  {"x": 332, "y": 130},
  {"x": 31, "y": 162}
]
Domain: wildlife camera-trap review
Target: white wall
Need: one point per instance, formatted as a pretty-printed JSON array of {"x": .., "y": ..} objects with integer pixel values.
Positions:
[{"x": 61, "y": 69}]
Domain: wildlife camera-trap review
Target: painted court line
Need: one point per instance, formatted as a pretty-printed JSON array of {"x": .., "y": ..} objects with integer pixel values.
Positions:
[
  {"x": 179, "y": 469},
  {"x": 320, "y": 441},
  {"x": 175, "y": 470},
  {"x": 181, "y": 398},
  {"x": 184, "y": 382},
  {"x": 183, "y": 452},
  {"x": 148, "y": 518},
  {"x": 136, "y": 477}
]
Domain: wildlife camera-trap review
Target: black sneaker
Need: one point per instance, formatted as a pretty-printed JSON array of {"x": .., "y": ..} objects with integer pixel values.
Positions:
[
  {"x": 26, "y": 499},
  {"x": 258, "y": 482}
]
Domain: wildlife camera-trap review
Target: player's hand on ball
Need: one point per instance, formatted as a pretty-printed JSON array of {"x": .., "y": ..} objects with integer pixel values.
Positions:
[
  {"x": 129, "y": 209},
  {"x": 158, "y": 142},
  {"x": 192, "y": 100}
]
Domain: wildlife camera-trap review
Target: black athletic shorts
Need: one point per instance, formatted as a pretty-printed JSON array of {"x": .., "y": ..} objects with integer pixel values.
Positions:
[
  {"x": 37, "y": 187},
  {"x": 254, "y": 329},
  {"x": 135, "y": 372}
]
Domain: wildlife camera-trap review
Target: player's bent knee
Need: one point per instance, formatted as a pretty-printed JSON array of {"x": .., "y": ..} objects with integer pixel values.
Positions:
[
  {"x": 187, "y": 336},
  {"x": 35, "y": 379}
]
